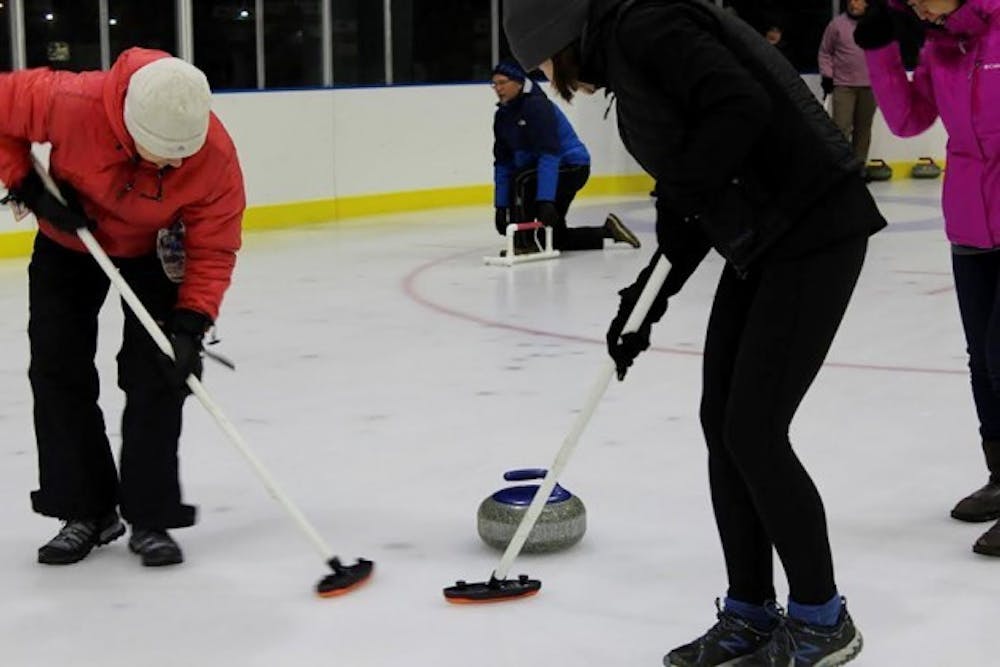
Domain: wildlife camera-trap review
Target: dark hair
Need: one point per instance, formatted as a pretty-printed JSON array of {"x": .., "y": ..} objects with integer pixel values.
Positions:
[{"x": 566, "y": 71}]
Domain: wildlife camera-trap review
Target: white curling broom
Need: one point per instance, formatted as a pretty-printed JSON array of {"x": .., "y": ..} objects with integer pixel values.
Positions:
[{"x": 344, "y": 577}]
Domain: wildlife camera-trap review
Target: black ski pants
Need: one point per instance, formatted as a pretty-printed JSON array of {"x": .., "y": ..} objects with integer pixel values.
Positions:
[
  {"x": 77, "y": 474},
  {"x": 571, "y": 179},
  {"x": 768, "y": 335}
]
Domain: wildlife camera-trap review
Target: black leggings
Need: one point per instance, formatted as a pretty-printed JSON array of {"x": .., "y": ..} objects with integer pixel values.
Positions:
[
  {"x": 77, "y": 475},
  {"x": 977, "y": 284},
  {"x": 767, "y": 338},
  {"x": 571, "y": 179}
]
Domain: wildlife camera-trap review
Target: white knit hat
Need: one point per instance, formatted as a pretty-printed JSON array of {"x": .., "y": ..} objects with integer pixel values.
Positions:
[{"x": 167, "y": 107}]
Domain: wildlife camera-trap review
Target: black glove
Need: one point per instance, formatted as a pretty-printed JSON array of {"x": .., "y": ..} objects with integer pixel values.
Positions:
[
  {"x": 185, "y": 329},
  {"x": 67, "y": 217},
  {"x": 875, "y": 28},
  {"x": 624, "y": 348},
  {"x": 501, "y": 220},
  {"x": 882, "y": 25},
  {"x": 547, "y": 214},
  {"x": 827, "y": 84}
]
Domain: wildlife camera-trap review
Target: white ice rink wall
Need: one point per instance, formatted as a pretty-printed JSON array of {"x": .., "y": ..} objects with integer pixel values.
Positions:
[{"x": 304, "y": 151}]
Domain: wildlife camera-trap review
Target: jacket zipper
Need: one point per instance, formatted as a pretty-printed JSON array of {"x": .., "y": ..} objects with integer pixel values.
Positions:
[{"x": 973, "y": 89}]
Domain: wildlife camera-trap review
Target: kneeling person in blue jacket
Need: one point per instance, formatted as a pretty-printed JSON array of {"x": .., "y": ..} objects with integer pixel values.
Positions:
[{"x": 540, "y": 164}]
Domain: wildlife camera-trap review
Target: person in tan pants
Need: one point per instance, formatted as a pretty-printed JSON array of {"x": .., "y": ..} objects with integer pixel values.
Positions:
[{"x": 845, "y": 76}]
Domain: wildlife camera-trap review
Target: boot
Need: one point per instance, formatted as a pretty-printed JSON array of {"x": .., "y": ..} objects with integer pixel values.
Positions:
[
  {"x": 988, "y": 543},
  {"x": 984, "y": 503},
  {"x": 615, "y": 229},
  {"x": 156, "y": 547},
  {"x": 78, "y": 536}
]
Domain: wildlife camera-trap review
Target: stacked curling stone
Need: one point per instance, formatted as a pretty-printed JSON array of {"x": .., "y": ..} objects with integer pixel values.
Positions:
[{"x": 561, "y": 524}]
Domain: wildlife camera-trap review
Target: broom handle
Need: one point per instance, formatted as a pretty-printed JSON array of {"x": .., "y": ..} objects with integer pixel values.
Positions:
[{"x": 632, "y": 324}]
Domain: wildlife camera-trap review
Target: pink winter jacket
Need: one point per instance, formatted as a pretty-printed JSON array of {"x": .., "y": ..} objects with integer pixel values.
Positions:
[
  {"x": 839, "y": 57},
  {"x": 958, "y": 79}
]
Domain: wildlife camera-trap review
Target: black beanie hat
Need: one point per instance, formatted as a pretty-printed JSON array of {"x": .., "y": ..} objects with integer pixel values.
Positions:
[
  {"x": 539, "y": 29},
  {"x": 510, "y": 69}
]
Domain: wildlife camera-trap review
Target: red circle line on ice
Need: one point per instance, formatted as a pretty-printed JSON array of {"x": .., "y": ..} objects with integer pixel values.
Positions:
[{"x": 412, "y": 291}]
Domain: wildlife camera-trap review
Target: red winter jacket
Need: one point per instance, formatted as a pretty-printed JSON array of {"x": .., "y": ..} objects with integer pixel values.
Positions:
[{"x": 128, "y": 198}]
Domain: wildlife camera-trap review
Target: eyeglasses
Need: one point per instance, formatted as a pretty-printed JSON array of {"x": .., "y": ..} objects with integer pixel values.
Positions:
[{"x": 496, "y": 83}]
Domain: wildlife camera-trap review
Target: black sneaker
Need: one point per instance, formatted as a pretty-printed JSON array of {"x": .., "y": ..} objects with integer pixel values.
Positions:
[
  {"x": 731, "y": 641},
  {"x": 156, "y": 547},
  {"x": 798, "y": 644},
  {"x": 78, "y": 536},
  {"x": 619, "y": 232},
  {"x": 981, "y": 505}
]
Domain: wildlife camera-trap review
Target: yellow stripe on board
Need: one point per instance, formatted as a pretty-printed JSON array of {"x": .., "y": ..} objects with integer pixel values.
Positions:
[
  {"x": 284, "y": 216},
  {"x": 16, "y": 244}
]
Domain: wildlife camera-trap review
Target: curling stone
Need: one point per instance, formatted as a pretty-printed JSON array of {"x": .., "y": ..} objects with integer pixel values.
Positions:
[
  {"x": 878, "y": 170},
  {"x": 561, "y": 524},
  {"x": 925, "y": 168}
]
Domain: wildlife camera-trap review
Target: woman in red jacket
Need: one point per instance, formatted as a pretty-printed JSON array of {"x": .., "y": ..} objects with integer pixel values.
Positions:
[{"x": 141, "y": 158}]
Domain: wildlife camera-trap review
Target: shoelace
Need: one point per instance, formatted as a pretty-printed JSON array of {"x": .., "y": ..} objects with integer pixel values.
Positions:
[
  {"x": 789, "y": 646},
  {"x": 776, "y": 647},
  {"x": 726, "y": 625},
  {"x": 73, "y": 535}
]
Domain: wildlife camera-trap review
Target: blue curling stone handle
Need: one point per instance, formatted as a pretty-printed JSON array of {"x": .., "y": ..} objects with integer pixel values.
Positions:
[
  {"x": 523, "y": 474},
  {"x": 522, "y": 495}
]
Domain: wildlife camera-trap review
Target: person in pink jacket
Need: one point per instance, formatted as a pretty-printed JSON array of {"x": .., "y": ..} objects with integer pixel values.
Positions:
[
  {"x": 845, "y": 77},
  {"x": 957, "y": 80}
]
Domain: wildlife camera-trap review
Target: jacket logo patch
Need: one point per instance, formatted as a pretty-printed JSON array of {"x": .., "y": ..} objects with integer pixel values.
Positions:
[
  {"x": 522, "y": 122},
  {"x": 991, "y": 66}
]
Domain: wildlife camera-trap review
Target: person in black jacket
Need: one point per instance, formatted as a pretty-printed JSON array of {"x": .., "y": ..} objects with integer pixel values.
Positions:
[
  {"x": 745, "y": 161},
  {"x": 539, "y": 164}
]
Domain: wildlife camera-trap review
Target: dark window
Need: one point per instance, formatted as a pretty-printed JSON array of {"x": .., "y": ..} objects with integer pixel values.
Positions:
[
  {"x": 62, "y": 34},
  {"x": 150, "y": 23},
  {"x": 801, "y": 24},
  {"x": 224, "y": 42},
  {"x": 440, "y": 41},
  {"x": 293, "y": 43},
  {"x": 358, "y": 42},
  {"x": 5, "y": 56}
]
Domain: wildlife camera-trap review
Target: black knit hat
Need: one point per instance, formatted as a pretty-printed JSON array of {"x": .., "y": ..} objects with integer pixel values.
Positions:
[{"x": 539, "y": 29}]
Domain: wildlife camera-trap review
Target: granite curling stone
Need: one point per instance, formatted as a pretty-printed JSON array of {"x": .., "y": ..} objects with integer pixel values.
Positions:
[
  {"x": 561, "y": 524},
  {"x": 925, "y": 168}
]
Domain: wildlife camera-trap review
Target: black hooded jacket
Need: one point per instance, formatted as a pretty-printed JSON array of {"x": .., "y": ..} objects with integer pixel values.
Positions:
[{"x": 727, "y": 128}]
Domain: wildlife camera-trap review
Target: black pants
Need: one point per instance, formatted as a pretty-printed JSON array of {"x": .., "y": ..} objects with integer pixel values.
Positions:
[
  {"x": 977, "y": 284},
  {"x": 77, "y": 475},
  {"x": 767, "y": 338},
  {"x": 571, "y": 179}
]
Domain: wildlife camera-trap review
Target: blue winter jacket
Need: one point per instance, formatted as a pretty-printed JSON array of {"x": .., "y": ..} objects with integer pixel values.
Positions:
[{"x": 531, "y": 131}]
